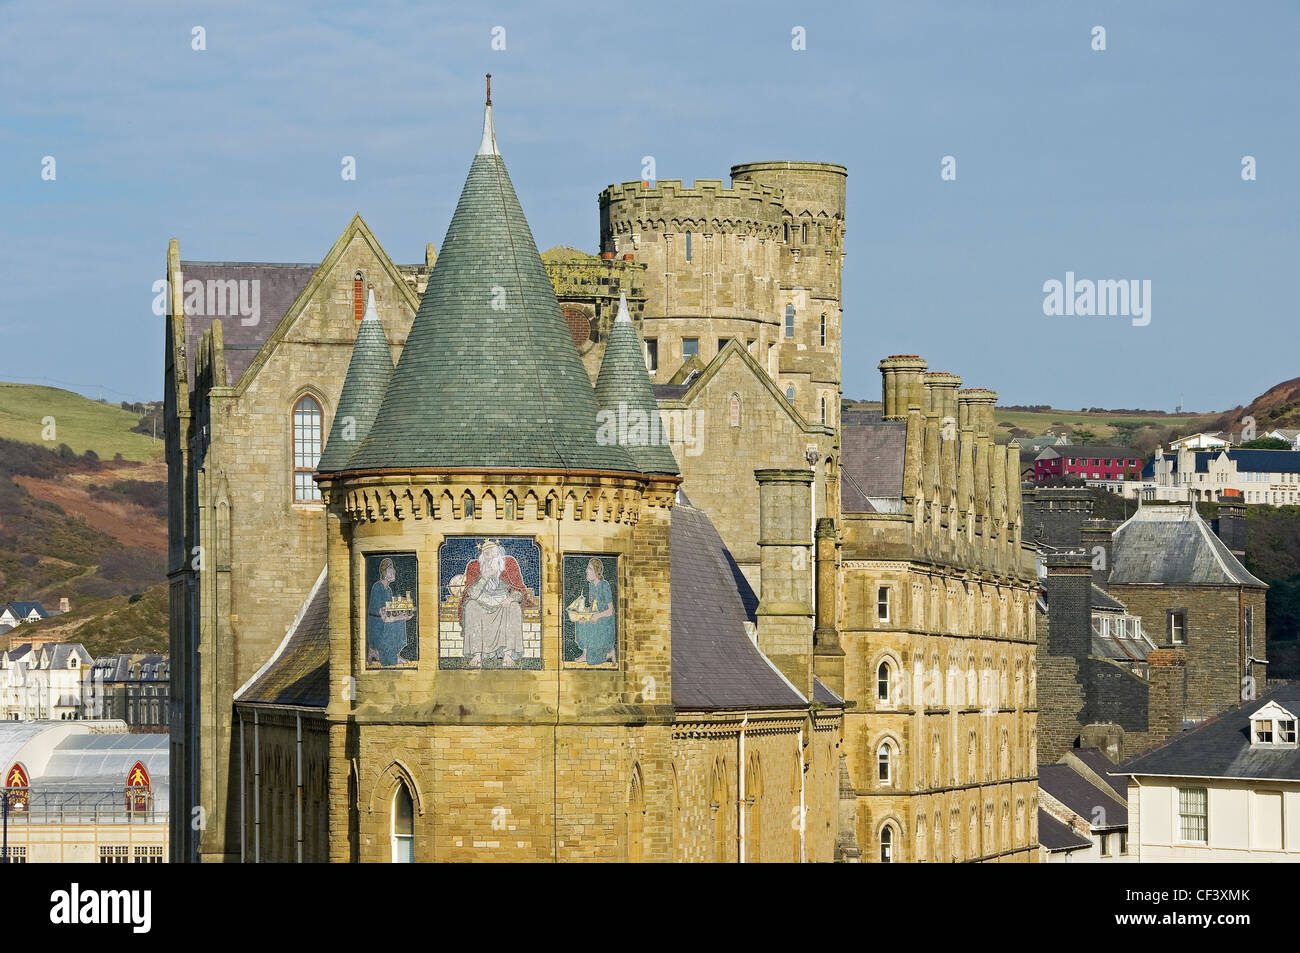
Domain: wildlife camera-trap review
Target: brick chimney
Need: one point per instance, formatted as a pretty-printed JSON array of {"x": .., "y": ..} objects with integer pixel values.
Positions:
[{"x": 785, "y": 605}]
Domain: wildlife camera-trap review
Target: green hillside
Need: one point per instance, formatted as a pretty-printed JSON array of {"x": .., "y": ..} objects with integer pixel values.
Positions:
[
  {"x": 81, "y": 423},
  {"x": 1103, "y": 427}
]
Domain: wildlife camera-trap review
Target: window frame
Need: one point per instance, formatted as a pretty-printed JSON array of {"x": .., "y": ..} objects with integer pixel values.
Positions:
[
  {"x": 651, "y": 355},
  {"x": 1184, "y": 795},
  {"x": 394, "y": 836},
  {"x": 1179, "y": 615},
  {"x": 695, "y": 344},
  {"x": 788, "y": 324},
  {"x": 315, "y": 499}
]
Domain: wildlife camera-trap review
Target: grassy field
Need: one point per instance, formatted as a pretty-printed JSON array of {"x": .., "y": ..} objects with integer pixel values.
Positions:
[
  {"x": 1103, "y": 426},
  {"x": 81, "y": 423}
]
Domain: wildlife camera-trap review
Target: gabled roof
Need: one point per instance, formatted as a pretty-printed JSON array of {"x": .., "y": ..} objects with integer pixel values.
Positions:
[
  {"x": 1055, "y": 836},
  {"x": 623, "y": 389},
  {"x": 369, "y": 371},
  {"x": 1221, "y": 748},
  {"x": 24, "y": 609},
  {"x": 298, "y": 673},
  {"x": 1169, "y": 544},
  {"x": 1101, "y": 807},
  {"x": 871, "y": 463},
  {"x": 489, "y": 375},
  {"x": 1104, "y": 768},
  {"x": 715, "y": 665},
  {"x": 1089, "y": 451}
]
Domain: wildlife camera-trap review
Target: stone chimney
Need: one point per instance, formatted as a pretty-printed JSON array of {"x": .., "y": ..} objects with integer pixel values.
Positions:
[
  {"x": 65, "y": 605},
  {"x": 1096, "y": 538},
  {"x": 941, "y": 388},
  {"x": 1069, "y": 604},
  {"x": 785, "y": 605},
  {"x": 1167, "y": 702},
  {"x": 829, "y": 662},
  {"x": 902, "y": 386},
  {"x": 1231, "y": 524}
]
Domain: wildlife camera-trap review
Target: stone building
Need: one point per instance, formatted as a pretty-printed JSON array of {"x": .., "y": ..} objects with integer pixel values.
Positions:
[
  {"x": 935, "y": 617},
  {"x": 1184, "y": 623},
  {"x": 302, "y": 732}
]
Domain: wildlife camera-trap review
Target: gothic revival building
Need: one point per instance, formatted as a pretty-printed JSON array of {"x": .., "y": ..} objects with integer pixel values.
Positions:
[{"x": 483, "y": 559}]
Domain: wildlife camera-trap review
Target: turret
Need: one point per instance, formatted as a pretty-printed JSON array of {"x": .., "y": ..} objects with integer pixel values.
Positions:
[{"x": 369, "y": 373}]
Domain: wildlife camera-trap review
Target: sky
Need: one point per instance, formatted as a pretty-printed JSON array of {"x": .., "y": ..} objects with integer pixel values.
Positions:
[{"x": 1123, "y": 163}]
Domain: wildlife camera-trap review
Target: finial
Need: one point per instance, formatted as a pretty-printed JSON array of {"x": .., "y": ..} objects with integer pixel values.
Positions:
[
  {"x": 489, "y": 89},
  {"x": 488, "y": 147},
  {"x": 371, "y": 313},
  {"x": 622, "y": 310}
]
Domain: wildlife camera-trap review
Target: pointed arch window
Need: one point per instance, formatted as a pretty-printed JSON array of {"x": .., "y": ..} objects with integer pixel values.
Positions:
[
  {"x": 403, "y": 825},
  {"x": 789, "y": 320},
  {"x": 884, "y": 682},
  {"x": 789, "y": 393},
  {"x": 824, "y": 402},
  {"x": 885, "y": 764},
  {"x": 803, "y": 233},
  {"x": 887, "y": 844},
  {"x": 307, "y": 426},
  {"x": 733, "y": 410}
]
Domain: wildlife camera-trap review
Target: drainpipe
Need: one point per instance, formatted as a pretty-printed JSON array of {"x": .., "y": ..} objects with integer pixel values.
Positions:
[
  {"x": 740, "y": 787},
  {"x": 803, "y": 811},
  {"x": 297, "y": 807},
  {"x": 243, "y": 830},
  {"x": 257, "y": 790}
]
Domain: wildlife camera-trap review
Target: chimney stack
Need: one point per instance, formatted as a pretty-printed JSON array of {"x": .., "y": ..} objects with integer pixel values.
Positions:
[
  {"x": 1231, "y": 524},
  {"x": 1069, "y": 604},
  {"x": 785, "y": 606},
  {"x": 1096, "y": 538},
  {"x": 829, "y": 662},
  {"x": 902, "y": 386}
]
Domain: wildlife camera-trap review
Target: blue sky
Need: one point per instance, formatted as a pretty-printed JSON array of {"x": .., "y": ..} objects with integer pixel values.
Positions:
[{"x": 1122, "y": 164}]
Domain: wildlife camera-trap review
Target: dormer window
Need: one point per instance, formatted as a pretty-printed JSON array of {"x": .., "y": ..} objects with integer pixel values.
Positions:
[{"x": 1273, "y": 727}]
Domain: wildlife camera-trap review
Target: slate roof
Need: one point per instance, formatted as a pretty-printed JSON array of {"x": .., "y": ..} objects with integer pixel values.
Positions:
[
  {"x": 1101, "y": 599},
  {"x": 715, "y": 665},
  {"x": 1169, "y": 544},
  {"x": 369, "y": 371},
  {"x": 1100, "y": 807},
  {"x": 824, "y": 696},
  {"x": 278, "y": 287},
  {"x": 1220, "y": 748},
  {"x": 298, "y": 672},
  {"x": 1104, "y": 768},
  {"x": 871, "y": 463},
  {"x": 489, "y": 375},
  {"x": 24, "y": 609},
  {"x": 623, "y": 386},
  {"x": 1089, "y": 452},
  {"x": 1248, "y": 461},
  {"x": 1055, "y": 836}
]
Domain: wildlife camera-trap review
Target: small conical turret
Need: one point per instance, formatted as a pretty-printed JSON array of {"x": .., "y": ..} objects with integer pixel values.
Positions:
[
  {"x": 369, "y": 372},
  {"x": 629, "y": 411}
]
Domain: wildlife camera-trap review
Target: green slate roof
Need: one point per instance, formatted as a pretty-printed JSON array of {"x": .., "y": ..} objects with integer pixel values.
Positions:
[
  {"x": 369, "y": 373},
  {"x": 489, "y": 376},
  {"x": 623, "y": 390}
]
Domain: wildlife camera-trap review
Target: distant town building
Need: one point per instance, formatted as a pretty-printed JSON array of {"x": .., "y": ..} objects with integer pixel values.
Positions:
[
  {"x": 1259, "y": 476},
  {"x": 1201, "y": 441},
  {"x": 45, "y": 681},
  {"x": 1226, "y": 791},
  {"x": 1290, "y": 436},
  {"x": 16, "y": 613},
  {"x": 1087, "y": 462},
  {"x": 1082, "y": 794},
  {"x": 1031, "y": 447},
  {"x": 133, "y": 688},
  {"x": 84, "y": 792}
]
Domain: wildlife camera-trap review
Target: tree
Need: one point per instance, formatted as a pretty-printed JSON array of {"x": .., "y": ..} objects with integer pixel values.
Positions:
[{"x": 1265, "y": 443}]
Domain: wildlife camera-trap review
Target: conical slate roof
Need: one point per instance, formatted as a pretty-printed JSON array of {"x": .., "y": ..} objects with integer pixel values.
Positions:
[
  {"x": 623, "y": 390},
  {"x": 369, "y": 373},
  {"x": 489, "y": 376}
]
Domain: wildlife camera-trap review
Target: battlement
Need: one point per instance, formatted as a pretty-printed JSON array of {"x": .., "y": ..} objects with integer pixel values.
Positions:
[{"x": 669, "y": 189}]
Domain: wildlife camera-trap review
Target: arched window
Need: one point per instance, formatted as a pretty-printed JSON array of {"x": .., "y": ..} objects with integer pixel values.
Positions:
[
  {"x": 887, "y": 844},
  {"x": 688, "y": 246},
  {"x": 884, "y": 682},
  {"x": 789, "y": 393},
  {"x": 920, "y": 838},
  {"x": 358, "y": 296},
  {"x": 789, "y": 320},
  {"x": 785, "y": 232},
  {"x": 403, "y": 820},
  {"x": 823, "y": 330},
  {"x": 824, "y": 409},
  {"x": 1004, "y": 758},
  {"x": 971, "y": 749},
  {"x": 803, "y": 233},
  {"x": 467, "y": 504},
  {"x": 307, "y": 423},
  {"x": 884, "y": 764},
  {"x": 733, "y": 410}
]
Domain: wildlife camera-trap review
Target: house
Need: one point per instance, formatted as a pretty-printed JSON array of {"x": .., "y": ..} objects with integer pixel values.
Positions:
[
  {"x": 44, "y": 681},
  {"x": 1202, "y": 441},
  {"x": 16, "y": 613},
  {"x": 1289, "y": 435},
  {"x": 1086, "y": 462},
  {"x": 1228, "y": 790},
  {"x": 1259, "y": 476},
  {"x": 132, "y": 687},
  {"x": 1082, "y": 794}
]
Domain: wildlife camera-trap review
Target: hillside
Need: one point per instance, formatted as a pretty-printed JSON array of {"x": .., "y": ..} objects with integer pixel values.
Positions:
[
  {"x": 77, "y": 523},
  {"x": 1279, "y": 406},
  {"x": 79, "y": 422}
]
